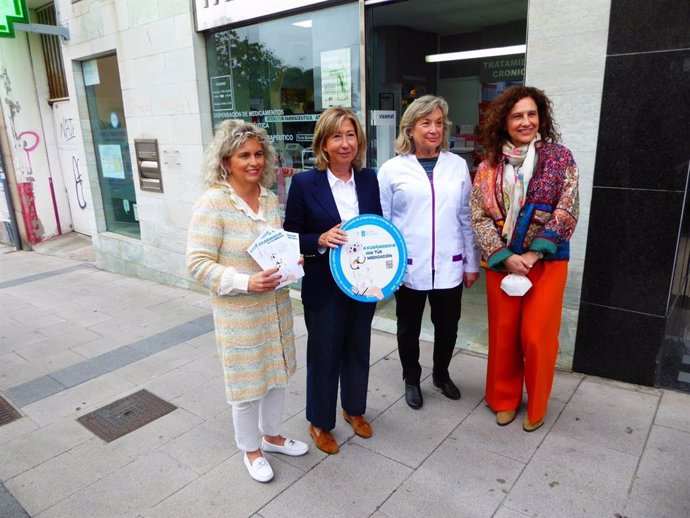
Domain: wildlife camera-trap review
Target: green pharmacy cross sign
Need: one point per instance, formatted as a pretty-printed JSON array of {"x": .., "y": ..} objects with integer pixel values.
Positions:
[{"x": 12, "y": 11}]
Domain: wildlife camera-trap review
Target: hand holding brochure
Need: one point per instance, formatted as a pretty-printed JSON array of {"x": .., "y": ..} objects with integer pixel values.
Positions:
[{"x": 278, "y": 249}]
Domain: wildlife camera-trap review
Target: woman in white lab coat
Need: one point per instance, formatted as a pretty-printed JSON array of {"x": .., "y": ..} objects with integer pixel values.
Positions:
[{"x": 425, "y": 192}]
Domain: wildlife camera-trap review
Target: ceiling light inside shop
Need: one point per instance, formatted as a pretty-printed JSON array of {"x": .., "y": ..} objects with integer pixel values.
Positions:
[
  {"x": 474, "y": 54},
  {"x": 305, "y": 23}
]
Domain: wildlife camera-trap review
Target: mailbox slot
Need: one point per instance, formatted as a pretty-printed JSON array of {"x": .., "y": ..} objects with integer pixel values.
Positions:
[{"x": 149, "y": 164}]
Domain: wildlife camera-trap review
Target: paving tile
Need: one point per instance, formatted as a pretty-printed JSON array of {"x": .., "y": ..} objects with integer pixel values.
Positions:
[
  {"x": 9, "y": 507},
  {"x": 456, "y": 480},
  {"x": 77, "y": 400},
  {"x": 11, "y": 340},
  {"x": 49, "y": 483},
  {"x": 480, "y": 430},
  {"x": 318, "y": 494},
  {"x": 663, "y": 477},
  {"x": 227, "y": 490},
  {"x": 301, "y": 351},
  {"x": 385, "y": 384},
  {"x": 573, "y": 478},
  {"x": 159, "y": 363},
  {"x": 299, "y": 328},
  {"x": 504, "y": 512},
  {"x": 34, "y": 390},
  {"x": 565, "y": 384},
  {"x": 100, "y": 345},
  {"x": 296, "y": 393},
  {"x": 206, "y": 445},
  {"x": 129, "y": 491},
  {"x": 104, "y": 458},
  {"x": 11, "y": 361},
  {"x": 609, "y": 416},
  {"x": 207, "y": 366},
  {"x": 408, "y": 436},
  {"x": 34, "y": 448},
  {"x": 84, "y": 316},
  {"x": 174, "y": 383},
  {"x": 673, "y": 411},
  {"x": 382, "y": 344},
  {"x": 206, "y": 401},
  {"x": 15, "y": 429}
]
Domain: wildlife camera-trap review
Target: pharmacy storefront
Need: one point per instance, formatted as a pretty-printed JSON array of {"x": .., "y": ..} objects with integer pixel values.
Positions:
[{"x": 282, "y": 64}]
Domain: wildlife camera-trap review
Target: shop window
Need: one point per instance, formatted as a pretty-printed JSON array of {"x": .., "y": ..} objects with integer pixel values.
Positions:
[
  {"x": 111, "y": 146},
  {"x": 282, "y": 74}
]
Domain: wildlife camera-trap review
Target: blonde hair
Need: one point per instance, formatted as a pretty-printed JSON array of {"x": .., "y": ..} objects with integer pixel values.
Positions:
[
  {"x": 328, "y": 124},
  {"x": 231, "y": 135},
  {"x": 419, "y": 109}
]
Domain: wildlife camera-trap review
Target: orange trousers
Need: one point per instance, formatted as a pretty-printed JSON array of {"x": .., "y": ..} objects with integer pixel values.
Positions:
[{"x": 523, "y": 339}]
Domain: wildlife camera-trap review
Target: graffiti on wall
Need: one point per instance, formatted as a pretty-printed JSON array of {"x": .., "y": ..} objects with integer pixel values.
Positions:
[
  {"x": 67, "y": 130},
  {"x": 66, "y": 134},
  {"x": 27, "y": 141},
  {"x": 78, "y": 183}
]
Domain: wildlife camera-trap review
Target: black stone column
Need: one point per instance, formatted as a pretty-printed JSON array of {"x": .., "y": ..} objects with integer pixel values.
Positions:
[{"x": 639, "y": 193}]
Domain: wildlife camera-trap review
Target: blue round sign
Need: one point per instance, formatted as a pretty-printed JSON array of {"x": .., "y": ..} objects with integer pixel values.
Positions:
[{"x": 372, "y": 264}]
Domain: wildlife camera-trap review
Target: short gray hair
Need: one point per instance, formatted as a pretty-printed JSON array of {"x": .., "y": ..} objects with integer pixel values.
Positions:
[
  {"x": 231, "y": 135},
  {"x": 419, "y": 109}
]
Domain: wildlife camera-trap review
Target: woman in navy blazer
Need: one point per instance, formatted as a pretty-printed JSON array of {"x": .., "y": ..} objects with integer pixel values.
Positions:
[{"x": 339, "y": 327}]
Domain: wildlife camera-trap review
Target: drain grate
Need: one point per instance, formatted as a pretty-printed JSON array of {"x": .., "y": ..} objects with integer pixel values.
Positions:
[
  {"x": 7, "y": 412},
  {"x": 126, "y": 415}
]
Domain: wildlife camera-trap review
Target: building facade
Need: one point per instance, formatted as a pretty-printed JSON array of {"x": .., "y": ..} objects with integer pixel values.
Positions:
[{"x": 118, "y": 157}]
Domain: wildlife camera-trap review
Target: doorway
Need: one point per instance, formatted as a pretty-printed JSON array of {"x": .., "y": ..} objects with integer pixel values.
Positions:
[{"x": 399, "y": 37}]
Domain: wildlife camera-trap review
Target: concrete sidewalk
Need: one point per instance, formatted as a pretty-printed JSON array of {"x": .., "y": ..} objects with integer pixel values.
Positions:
[{"x": 74, "y": 338}]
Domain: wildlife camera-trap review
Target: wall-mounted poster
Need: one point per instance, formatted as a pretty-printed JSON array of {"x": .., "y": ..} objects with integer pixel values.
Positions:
[
  {"x": 336, "y": 78},
  {"x": 112, "y": 165}
]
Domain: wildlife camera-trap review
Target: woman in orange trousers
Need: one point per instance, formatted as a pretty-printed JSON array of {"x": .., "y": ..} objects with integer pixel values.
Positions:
[{"x": 524, "y": 209}]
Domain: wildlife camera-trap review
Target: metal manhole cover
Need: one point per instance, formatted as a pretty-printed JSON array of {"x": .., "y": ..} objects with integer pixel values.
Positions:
[
  {"x": 7, "y": 412},
  {"x": 126, "y": 415}
]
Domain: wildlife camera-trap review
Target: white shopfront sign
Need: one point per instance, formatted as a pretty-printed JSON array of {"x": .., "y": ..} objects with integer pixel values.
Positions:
[{"x": 211, "y": 14}]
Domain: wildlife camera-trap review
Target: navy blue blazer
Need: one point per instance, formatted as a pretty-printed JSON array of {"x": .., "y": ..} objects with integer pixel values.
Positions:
[{"x": 310, "y": 211}]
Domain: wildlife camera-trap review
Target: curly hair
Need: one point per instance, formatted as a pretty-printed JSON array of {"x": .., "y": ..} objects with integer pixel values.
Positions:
[
  {"x": 493, "y": 132},
  {"x": 328, "y": 124},
  {"x": 419, "y": 109},
  {"x": 231, "y": 135}
]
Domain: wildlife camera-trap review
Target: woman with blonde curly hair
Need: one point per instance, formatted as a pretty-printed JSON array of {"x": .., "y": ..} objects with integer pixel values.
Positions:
[
  {"x": 253, "y": 320},
  {"x": 524, "y": 211}
]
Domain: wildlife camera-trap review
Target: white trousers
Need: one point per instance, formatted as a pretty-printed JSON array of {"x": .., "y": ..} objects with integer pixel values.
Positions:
[{"x": 254, "y": 419}]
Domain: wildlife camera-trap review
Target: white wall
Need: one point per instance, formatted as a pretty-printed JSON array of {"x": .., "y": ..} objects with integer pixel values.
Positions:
[
  {"x": 566, "y": 57},
  {"x": 162, "y": 68}
]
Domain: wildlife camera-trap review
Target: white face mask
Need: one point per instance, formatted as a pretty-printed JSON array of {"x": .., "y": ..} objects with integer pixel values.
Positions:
[{"x": 515, "y": 285}]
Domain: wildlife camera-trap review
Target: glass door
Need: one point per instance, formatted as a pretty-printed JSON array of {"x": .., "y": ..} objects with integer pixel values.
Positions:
[{"x": 109, "y": 129}]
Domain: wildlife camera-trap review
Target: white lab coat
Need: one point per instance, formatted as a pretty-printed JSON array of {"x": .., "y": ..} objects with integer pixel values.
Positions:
[{"x": 434, "y": 219}]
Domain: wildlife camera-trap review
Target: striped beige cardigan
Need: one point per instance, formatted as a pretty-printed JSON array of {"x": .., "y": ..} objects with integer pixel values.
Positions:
[{"x": 253, "y": 330}]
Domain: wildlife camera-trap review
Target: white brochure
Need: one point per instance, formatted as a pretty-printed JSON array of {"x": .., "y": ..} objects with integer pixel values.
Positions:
[{"x": 278, "y": 248}]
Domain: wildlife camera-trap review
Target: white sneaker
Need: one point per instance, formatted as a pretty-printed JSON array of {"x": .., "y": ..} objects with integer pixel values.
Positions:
[
  {"x": 291, "y": 447},
  {"x": 260, "y": 470}
]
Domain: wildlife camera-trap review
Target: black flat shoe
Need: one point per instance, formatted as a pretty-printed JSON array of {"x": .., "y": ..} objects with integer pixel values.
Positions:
[
  {"x": 448, "y": 388},
  {"x": 413, "y": 396}
]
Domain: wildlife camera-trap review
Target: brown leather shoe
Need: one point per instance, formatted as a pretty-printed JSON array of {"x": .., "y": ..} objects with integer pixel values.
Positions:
[
  {"x": 529, "y": 427},
  {"x": 359, "y": 424},
  {"x": 505, "y": 417},
  {"x": 324, "y": 440}
]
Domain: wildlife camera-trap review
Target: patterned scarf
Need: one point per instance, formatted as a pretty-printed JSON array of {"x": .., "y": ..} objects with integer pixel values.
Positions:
[{"x": 517, "y": 174}]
